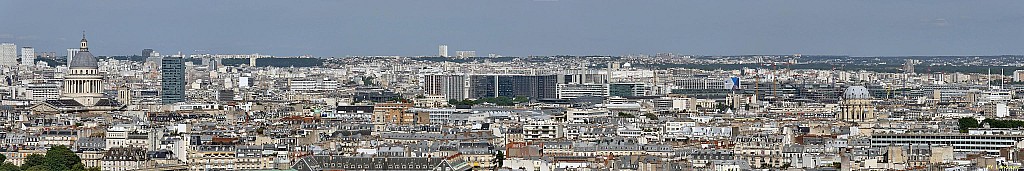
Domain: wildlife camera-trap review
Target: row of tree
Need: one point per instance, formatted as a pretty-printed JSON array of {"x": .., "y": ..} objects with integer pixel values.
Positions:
[
  {"x": 969, "y": 122},
  {"x": 58, "y": 157},
  {"x": 650, "y": 116}
]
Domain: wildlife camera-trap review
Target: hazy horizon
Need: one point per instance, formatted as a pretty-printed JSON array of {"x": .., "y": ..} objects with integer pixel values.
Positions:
[{"x": 520, "y": 28}]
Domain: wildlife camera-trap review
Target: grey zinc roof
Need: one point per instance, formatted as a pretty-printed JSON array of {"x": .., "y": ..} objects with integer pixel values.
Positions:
[
  {"x": 857, "y": 92},
  {"x": 83, "y": 59},
  {"x": 369, "y": 163}
]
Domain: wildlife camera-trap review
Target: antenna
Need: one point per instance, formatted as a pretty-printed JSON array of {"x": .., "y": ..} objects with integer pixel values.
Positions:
[
  {"x": 757, "y": 81},
  {"x": 775, "y": 81}
]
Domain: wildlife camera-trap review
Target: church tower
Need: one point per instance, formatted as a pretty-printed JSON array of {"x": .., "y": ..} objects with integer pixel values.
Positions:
[{"x": 82, "y": 82}]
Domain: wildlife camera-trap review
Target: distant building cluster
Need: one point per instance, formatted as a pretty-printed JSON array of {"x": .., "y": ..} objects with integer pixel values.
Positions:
[{"x": 538, "y": 113}]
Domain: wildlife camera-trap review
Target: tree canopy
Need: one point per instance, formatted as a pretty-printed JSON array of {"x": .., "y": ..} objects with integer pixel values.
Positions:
[
  {"x": 969, "y": 122},
  {"x": 61, "y": 158},
  {"x": 58, "y": 157},
  {"x": 651, "y": 116}
]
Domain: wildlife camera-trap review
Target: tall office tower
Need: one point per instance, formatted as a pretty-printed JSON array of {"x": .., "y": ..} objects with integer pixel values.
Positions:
[
  {"x": 252, "y": 61},
  {"x": 908, "y": 66},
  {"x": 442, "y": 50},
  {"x": 211, "y": 63},
  {"x": 83, "y": 82},
  {"x": 449, "y": 86},
  {"x": 71, "y": 54},
  {"x": 1018, "y": 75},
  {"x": 172, "y": 74},
  {"x": 217, "y": 63},
  {"x": 28, "y": 56},
  {"x": 8, "y": 54},
  {"x": 146, "y": 53},
  {"x": 482, "y": 86}
]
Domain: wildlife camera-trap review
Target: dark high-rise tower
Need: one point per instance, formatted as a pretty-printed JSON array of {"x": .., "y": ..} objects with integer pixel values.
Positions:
[
  {"x": 146, "y": 53},
  {"x": 172, "y": 74}
]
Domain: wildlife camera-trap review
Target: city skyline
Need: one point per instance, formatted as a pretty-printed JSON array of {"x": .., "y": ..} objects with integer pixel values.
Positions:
[
  {"x": 521, "y": 28},
  {"x": 519, "y": 86}
]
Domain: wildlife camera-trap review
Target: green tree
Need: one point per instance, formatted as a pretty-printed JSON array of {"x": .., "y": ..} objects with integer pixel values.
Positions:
[
  {"x": 368, "y": 81},
  {"x": 626, "y": 115},
  {"x": 521, "y": 99},
  {"x": 462, "y": 102},
  {"x": 60, "y": 157},
  {"x": 3, "y": 158},
  {"x": 38, "y": 168},
  {"x": 995, "y": 123},
  {"x": 967, "y": 123},
  {"x": 78, "y": 167},
  {"x": 260, "y": 130},
  {"x": 651, "y": 116},
  {"x": 33, "y": 160},
  {"x": 723, "y": 107},
  {"x": 8, "y": 166},
  {"x": 498, "y": 158}
]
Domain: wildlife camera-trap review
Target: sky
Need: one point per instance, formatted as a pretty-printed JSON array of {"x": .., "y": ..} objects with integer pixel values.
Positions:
[{"x": 335, "y": 28}]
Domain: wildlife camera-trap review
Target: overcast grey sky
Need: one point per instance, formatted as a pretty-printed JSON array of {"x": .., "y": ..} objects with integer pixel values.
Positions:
[{"x": 518, "y": 28}]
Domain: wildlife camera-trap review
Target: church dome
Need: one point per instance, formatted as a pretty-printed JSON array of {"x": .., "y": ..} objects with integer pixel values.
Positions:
[
  {"x": 857, "y": 92},
  {"x": 83, "y": 59}
]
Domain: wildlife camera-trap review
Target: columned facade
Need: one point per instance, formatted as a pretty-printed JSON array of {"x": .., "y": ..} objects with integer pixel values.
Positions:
[
  {"x": 856, "y": 105},
  {"x": 83, "y": 82}
]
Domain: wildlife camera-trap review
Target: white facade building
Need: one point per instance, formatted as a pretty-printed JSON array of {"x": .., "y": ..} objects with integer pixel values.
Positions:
[
  {"x": 71, "y": 53},
  {"x": 572, "y": 91},
  {"x": 43, "y": 91},
  {"x": 542, "y": 130},
  {"x": 465, "y": 54},
  {"x": 8, "y": 54},
  {"x": 313, "y": 85},
  {"x": 442, "y": 50},
  {"x": 28, "y": 56}
]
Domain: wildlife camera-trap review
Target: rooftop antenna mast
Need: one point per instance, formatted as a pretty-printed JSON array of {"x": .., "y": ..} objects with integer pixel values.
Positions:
[
  {"x": 775, "y": 81},
  {"x": 989, "y": 79},
  {"x": 757, "y": 81}
]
